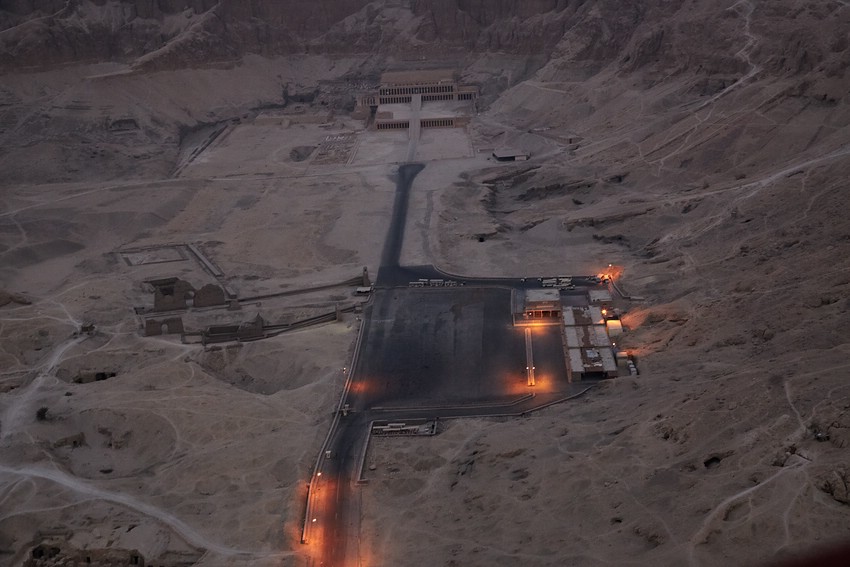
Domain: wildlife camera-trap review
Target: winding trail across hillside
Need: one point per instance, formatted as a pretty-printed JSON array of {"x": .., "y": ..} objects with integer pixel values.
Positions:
[{"x": 83, "y": 488}]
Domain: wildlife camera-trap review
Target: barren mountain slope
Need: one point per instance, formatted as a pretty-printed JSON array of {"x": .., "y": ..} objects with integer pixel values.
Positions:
[
  {"x": 702, "y": 147},
  {"x": 715, "y": 172},
  {"x": 685, "y": 33}
]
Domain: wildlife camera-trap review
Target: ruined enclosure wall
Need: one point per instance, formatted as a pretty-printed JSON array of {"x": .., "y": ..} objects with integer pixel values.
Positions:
[
  {"x": 208, "y": 296},
  {"x": 171, "y": 326}
]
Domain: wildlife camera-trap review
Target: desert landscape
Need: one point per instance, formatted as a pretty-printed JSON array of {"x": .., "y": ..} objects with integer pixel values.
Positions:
[{"x": 190, "y": 200}]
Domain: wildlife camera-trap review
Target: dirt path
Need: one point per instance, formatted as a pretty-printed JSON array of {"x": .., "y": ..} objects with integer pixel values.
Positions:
[{"x": 190, "y": 534}]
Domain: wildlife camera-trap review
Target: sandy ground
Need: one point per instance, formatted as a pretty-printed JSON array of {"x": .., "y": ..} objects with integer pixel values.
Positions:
[
  {"x": 729, "y": 448},
  {"x": 186, "y": 454}
]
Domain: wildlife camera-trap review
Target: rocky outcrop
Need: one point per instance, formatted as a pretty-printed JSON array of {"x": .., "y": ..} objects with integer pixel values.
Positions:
[
  {"x": 41, "y": 34},
  {"x": 170, "y": 34},
  {"x": 658, "y": 38},
  {"x": 159, "y": 33},
  {"x": 8, "y": 297}
]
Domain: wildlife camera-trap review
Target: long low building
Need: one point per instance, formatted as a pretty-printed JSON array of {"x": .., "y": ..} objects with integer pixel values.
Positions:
[
  {"x": 437, "y": 84},
  {"x": 590, "y": 315},
  {"x": 435, "y": 115},
  {"x": 587, "y": 336},
  {"x": 588, "y": 363},
  {"x": 587, "y": 345}
]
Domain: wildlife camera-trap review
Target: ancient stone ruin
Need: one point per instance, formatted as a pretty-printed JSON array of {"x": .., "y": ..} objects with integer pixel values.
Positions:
[
  {"x": 174, "y": 294},
  {"x": 50, "y": 554},
  {"x": 208, "y": 296},
  {"x": 170, "y": 294},
  {"x": 171, "y": 326}
]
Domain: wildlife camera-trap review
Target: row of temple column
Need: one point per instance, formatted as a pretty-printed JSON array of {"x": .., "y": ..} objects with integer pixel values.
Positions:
[
  {"x": 426, "y": 123},
  {"x": 417, "y": 90}
]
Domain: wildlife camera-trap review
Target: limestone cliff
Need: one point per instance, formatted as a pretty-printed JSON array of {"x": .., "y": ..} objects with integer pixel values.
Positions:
[
  {"x": 171, "y": 34},
  {"x": 580, "y": 37},
  {"x": 568, "y": 39}
]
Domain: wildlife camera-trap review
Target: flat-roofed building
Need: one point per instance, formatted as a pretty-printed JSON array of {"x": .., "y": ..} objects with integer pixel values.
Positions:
[
  {"x": 510, "y": 154},
  {"x": 539, "y": 306},
  {"x": 590, "y": 315},
  {"x": 587, "y": 336},
  {"x": 615, "y": 327},
  {"x": 599, "y": 296},
  {"x": 587, "y": 344},
  {"x": 586, "y": 363}
]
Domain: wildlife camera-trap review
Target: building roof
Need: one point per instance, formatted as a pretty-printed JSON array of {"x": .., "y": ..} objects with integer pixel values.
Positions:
[
  {"x": 582, "y": 316},
  {"x": 592, "y": 360},
  {"x": 599, "y": 295},
  {"x": 420, "y": 77},
  {"x": 615, "y": 326},
  {"x": 541, "y": 295},
  {"x": 587, "y": 337},
  {"x": 501, "y": 153}
]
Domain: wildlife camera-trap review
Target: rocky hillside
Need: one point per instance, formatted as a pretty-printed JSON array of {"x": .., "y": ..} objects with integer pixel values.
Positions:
[
  {"x": 660, "y": 38},
  {"x": 682, "y": 34},
  {"x": 572, "y": 65},
  {"x": 702, "y": 146}
]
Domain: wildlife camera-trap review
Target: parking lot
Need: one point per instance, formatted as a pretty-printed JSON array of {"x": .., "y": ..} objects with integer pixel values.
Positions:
[{"x": 449, "y": 346}]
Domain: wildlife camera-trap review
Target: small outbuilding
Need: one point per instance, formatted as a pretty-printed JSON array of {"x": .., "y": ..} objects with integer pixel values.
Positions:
[
  {"x": 510, "y": 154},
  {"x": 615, "y": 327}
]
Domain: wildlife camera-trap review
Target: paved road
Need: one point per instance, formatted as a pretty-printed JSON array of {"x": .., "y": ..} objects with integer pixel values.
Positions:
[
  {"x": 393, "y": 275},
  {"x": 395, "y": 235},
  {"x": 440, "y": 352},
  {"x": 332, "y": 519},
  {"x": 414, "y": 129},
  {"x": 443, "y": 345},
  {"x": 336, "y": 511}
]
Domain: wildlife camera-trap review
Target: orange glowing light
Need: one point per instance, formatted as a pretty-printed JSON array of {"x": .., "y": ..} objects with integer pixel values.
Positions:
[
  {"x": 545, "y": 383},
  {"x": 361, "y": 386},
  {"x": 534, "y": 323},
  {"x": 517, "y": 385},
  {"x": 614, "y": 272}
]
